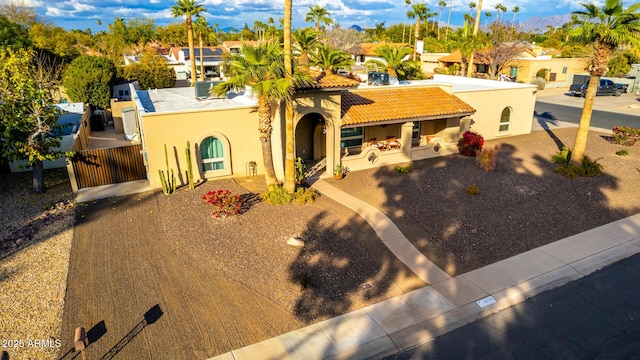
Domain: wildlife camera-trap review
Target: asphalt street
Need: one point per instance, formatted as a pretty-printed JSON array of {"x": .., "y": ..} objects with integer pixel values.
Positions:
[
  {"x": 595, "y": 317},
  {"x": 609, "y": 111}
]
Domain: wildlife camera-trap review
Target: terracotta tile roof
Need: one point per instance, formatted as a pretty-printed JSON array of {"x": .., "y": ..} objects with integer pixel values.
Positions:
[
  {"x": 400, "y": 103},
  {"x": 327, "y": 81},
  {"x": 369, "y": 49}
]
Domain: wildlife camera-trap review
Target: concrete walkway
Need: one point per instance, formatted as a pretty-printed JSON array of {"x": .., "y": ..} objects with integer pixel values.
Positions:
[{"x": 446, "y": 303}]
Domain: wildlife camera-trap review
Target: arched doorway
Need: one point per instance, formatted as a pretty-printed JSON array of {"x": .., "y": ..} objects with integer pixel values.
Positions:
[{"x": 311, "y": 138}]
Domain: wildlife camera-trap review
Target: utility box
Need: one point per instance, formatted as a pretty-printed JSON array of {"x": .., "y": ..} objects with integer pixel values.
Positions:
[{"x": 129, "y": 123}]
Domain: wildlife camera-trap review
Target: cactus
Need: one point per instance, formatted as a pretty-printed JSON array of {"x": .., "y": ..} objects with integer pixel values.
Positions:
[
  {"x": 168, "y": 184},
  {"x": 189, "y": 168}
]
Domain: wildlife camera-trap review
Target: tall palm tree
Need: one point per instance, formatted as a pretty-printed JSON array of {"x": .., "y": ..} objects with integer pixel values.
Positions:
[
  {"x": 394, "y": 58},
  {"x": 318, "y": 15},
  {"x": 446, "y": 34},
  {"x": 476, "y": 25},
  {"x": 261, "y": 67},
  {"x": 289, "y": 160},
  {"x": 605, "y": 29},
  {"x": 500, "y": 10},
  {"x": 442, "y": 4},
  {"x": 330, "y": 60},
  {"x": 487, "y": 15},
  {"x": 189, "y": 8},
  {"x": 200, "y": 26},
  {"x": 306, "y": 41},
  {"x": 404, "y": 25},
  {"x": 515, "y": 10},
  {"x": 419, "y": 12}
]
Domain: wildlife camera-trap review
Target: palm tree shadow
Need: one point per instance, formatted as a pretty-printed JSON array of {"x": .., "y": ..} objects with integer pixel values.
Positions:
[{"x": 544, "y": 120}]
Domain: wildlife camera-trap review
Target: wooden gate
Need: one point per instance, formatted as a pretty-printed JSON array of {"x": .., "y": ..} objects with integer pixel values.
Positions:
[{"x": 108, "y": 166}]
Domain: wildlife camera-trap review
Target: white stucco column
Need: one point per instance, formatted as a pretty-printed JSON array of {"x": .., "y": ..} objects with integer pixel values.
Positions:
[{"x": 405, "y": 138}]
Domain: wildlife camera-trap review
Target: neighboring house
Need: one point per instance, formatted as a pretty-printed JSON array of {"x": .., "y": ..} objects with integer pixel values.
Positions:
[
  {"x": 212, "y": 59},
  {"x": 431, "y": 62},
  {"x": 70, "y": 120},
  {"x": 121, "y": 90},
  {"x": 235, "y": 47},
  {"x": 367, "y": 51},
  {"x": 560, "y": 71},
  {"x": 336, "y": 120},
  {"x": 453, "y": 61}
]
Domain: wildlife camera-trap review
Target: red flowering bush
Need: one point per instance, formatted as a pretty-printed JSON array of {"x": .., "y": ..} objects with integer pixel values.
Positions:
[
  {"x": 470, "y": 144},
  {"x": 625, "y": 135},
  {"x": 225, "y": 202}
]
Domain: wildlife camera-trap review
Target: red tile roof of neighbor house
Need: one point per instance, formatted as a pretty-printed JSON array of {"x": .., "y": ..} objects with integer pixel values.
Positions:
[
  {"x": 322, "y": 80},
  {"x": 369, "y": 49},
  {"x": 401, "y": 103}
]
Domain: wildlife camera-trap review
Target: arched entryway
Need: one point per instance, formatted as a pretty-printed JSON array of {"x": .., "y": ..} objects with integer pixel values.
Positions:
[{"x": 311, "y": 138}]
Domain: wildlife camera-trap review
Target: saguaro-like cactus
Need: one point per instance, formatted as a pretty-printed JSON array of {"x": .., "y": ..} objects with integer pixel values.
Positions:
[
  {"x": 189, "y": 168},
  {"x": 168, "y": 184}
]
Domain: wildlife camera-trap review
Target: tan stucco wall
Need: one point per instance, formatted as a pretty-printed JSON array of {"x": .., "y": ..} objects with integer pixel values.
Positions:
[
  {"x": 489, "y": 105},
  {"x": 239, "y": 127},
  {"x": 324, "y": 103},
  {"x": 527, "y": 68}
]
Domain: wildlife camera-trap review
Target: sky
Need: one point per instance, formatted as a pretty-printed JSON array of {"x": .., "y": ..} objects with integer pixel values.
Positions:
[{"x": 84, "y": 14}]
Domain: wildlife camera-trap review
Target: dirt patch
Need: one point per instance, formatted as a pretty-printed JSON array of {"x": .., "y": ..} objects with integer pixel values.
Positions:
[
  {"x": 220, "y": 284},
  {"x": 523, "y": 204}
]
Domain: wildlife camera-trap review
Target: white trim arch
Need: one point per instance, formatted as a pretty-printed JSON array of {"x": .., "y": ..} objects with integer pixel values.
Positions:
[{"x": 224, "y": 160}]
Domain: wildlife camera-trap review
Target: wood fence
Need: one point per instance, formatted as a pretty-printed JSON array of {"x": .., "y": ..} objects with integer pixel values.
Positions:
[{"x": 108, "y": 166}]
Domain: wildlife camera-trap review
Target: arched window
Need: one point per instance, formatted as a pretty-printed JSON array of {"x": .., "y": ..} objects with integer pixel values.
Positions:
[
  {"x": 505, "y": 119},
  {"x": 212, "y": 154}
]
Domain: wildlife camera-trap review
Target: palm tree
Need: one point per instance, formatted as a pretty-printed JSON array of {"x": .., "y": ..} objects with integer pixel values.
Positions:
[
  {"x": 446, "y": 34},
  {"x": 394, "y": 57},
  {"x": 515, "y": 10},
  {"x": 419, "y": 12},
  {"x": 318, "y": 15},
  {"x": 605, "y": 29},
  {"x": 442, "y": 4},
  {"x": 330, "y": 60},
  {"x": 487, "y": 15},
  {"x": 306, "y": 41},
  {"x": 200, "y": 26},
  {"x": 500, "y": 9},
  {"x": 476, "y": 25},
  {"x": 188, "y": 8},
  {"x": 404, "y": 25},
  {"x": 261, "y": 67},
  {"x": 289, "y": 162}
]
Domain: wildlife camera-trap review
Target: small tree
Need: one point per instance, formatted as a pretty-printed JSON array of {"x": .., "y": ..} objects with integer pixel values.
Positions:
[
  {"x": 28, "y": 119},
  {"x": 89, "y": 79},
  {"x": 151, "y": 72}
]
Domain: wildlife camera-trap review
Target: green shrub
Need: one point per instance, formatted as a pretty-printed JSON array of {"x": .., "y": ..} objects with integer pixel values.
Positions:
[
  {"x": 562, "y": 157},
  {"x": 487, "y": 157},
  {"x": 301, "y": 170},
  {"x": 472, "y": 190},
  {"x": 591, "y": 167},
  {"x": 622, "y": 152},
  {"x": 470, "y": 144},
  {"x": 404, "y": 169},
  {"x": 305, "y": 195},
  {"x": 625, "y": 135},
  {"x": 588, "y": 168},
  {"x": 276, "y": 195}
]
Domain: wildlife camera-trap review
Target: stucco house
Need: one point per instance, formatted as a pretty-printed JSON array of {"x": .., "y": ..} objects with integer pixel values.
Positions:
[
  {"x": 336, "y": 121},
  {"x": 212, "y": 58}
]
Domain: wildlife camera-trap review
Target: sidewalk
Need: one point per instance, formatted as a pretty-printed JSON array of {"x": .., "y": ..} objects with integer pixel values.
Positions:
[{"x": 446, "y": 303}]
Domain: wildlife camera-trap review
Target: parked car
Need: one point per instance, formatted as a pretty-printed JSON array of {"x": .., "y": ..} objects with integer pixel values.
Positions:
[{"x": 606, "y": 87}]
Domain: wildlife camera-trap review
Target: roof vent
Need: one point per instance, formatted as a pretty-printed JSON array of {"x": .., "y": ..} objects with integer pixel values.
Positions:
[{"x": 203, "y": 90}]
